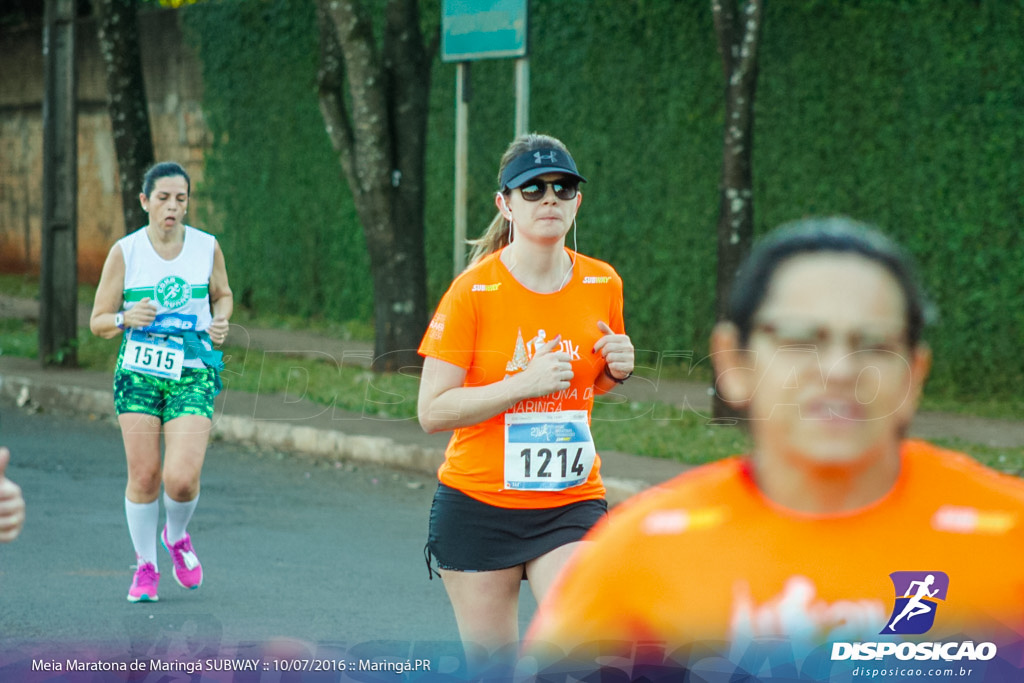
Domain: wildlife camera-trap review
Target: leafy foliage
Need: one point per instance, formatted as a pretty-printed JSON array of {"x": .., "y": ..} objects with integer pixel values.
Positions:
[
  {"x": 907, "y": 115},
  {"x": 285, "y": 217}
]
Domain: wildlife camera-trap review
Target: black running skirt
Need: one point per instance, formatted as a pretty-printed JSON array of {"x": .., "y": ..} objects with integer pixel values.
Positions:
[{"x": 470, "y": 536}]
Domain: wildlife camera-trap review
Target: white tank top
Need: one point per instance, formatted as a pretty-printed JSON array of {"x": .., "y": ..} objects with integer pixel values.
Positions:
[{"x": 181, "y": 285}]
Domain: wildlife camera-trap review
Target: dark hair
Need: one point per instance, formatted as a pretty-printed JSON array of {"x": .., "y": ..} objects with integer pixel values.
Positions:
[
  {"x": 817, "y": 235},
  {"x": 164, "y": 169}
]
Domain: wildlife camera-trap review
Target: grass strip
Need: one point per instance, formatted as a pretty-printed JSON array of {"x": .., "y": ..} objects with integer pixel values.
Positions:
[{"x": 644, "y": 428}]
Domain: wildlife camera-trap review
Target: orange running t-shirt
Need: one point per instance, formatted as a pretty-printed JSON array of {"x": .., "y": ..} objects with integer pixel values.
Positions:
[
  {"x": 490, "y": 324},
  {"x": 706, "y": 557}
]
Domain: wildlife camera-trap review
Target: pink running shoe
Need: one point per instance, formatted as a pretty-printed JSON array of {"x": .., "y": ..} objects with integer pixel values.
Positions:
[
  {"x": 187, "y": 570},
  {"x": 144, "y": 584}
]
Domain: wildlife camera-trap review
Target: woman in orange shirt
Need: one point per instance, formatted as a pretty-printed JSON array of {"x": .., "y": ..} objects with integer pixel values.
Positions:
[{"x": 518, "y": 347}]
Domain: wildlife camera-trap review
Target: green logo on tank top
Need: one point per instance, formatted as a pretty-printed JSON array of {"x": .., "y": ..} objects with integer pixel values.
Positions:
[{"x": 173, "y": 292}]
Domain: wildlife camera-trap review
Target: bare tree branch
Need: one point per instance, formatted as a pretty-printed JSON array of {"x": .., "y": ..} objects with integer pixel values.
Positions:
[
  {"x": 374, "y": 101},
  {"x": 126, "y": 101},
  {"x": 724, "y": 14},
  {"x": 738, "y": 31},
  {"x": 331, "y": 83},
  {"x": 364, "y": 73}
]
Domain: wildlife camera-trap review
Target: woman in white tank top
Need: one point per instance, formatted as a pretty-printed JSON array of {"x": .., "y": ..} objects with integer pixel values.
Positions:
[{"x": 165, "y": 286}]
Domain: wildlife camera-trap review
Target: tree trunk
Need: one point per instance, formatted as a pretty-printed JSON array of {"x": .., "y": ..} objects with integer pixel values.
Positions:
[
  {"x": 126, "y": 102},
  {"x": 738, "y": 27},
  {"x": 379, "y": 133},
  {"x": 58, "y": 282}
]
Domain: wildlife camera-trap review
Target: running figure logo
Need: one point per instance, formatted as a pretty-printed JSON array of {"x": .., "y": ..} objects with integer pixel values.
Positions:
[
  {"x": 917, "y": 596},
  {"x": 173, "y": 292}
]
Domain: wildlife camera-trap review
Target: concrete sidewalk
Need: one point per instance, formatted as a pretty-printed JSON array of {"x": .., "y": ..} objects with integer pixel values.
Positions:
[
  {"x": 288, "y": 423},
  {"x": 281, "y": 422}
]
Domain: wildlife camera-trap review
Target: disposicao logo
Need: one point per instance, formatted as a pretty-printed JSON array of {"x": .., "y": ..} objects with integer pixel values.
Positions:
[
  {"x": 917, "y": 600},
  {"x": 918, "y": 596}
]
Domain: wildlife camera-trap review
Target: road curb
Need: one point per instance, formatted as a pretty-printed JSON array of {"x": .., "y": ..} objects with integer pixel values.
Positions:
[
  {"x": 32, "y": 395},
  {"x": 271, "y": 434}
]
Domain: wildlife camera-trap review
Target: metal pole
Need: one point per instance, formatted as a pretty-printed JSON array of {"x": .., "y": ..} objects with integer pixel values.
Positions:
[
  {"x": 462, "y": 95},
  {"x": 58, "y": 287},
  {"x": 522, "y": 95}
]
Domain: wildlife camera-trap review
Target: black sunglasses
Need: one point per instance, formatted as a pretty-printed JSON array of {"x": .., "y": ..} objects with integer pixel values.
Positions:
[{"x": 565, "y": 188}]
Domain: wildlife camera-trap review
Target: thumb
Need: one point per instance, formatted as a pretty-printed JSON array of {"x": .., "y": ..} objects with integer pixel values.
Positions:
[
  {"x": 144, "y": 301},
  {"x": 603, "y": 326},
  {"x": 5, "y": 457}
]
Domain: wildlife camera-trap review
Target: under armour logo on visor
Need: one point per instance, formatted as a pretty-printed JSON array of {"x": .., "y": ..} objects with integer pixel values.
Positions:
[{"x": 550, "y": 157}]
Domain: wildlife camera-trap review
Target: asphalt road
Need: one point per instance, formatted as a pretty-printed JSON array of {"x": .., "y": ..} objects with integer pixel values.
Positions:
[{"x": 309, "y": 557}]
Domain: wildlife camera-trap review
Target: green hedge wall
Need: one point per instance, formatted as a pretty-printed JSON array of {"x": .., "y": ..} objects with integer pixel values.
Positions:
[
  {"x": 908, "y": 115},
  {"x": 289, "y": 230}
]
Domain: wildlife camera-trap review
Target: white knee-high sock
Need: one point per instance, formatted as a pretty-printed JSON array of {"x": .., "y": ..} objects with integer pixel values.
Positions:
[
  {"x": 143, "y": 519},
  {"x": 178, "y": 516}
]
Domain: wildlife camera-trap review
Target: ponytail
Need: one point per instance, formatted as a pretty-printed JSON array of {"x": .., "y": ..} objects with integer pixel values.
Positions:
[{"x": 494, "y": 238}]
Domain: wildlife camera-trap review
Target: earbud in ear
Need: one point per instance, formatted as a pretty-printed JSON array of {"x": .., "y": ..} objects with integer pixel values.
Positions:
[{"x": 505, "y": 211}]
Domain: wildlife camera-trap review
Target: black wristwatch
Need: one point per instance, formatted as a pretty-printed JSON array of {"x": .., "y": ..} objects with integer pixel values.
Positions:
[{"x": 614, "y": 378}]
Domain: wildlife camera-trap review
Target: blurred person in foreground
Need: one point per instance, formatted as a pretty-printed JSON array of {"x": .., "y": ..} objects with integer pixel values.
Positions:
[
  {"x": 12, "y": 504},
  {"x": 836, "y": 530}
]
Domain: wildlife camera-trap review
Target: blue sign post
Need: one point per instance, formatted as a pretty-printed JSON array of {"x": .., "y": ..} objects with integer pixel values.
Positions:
[
  {"x": 471, "y": 30},
  {"x": 483, "y": 29}
]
